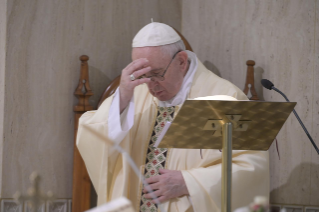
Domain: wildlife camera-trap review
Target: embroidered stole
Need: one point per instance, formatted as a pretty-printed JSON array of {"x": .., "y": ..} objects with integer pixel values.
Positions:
[{"x": 156, "y": 157}]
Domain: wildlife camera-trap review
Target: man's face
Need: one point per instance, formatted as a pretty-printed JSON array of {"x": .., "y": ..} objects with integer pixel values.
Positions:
[{"x": 169, "y": 87}]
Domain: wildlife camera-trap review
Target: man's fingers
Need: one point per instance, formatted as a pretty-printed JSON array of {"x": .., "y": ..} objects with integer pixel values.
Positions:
[
  {"x": 135, "y": 65},
  {"x": 163, "y": 171},
  {"x": 135, "y": 62},
  {"x": 140, "y": 72},
  {"x": 153, "y": 195},
  {"x": 140, "y": 81},
  {"x": 154, "y": 186},
  {"x": 153, "y": 179},
  {"x": 161, "y": 199}
]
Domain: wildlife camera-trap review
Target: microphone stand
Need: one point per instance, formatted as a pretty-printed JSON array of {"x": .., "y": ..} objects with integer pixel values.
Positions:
[{"x": 302, "y": 125}]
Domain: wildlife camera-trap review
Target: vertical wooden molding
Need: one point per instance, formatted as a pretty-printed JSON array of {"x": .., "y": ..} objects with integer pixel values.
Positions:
[
  {"x": 250, "y": 80},
  {"x": 83, "y": 92},
  {"x": 81, "y": 190},
  {"x": 187, "y": 45}
]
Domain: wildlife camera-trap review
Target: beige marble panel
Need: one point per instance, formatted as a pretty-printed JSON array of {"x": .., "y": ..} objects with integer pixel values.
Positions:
[
  {"x": 279, "y": 36},
  {"x": 38, "y": 125},
  {"x": 215, "y": 30},
  {"x": 314, "y": 178},
  {"x": 3, "y": 32},
  {"x": 45, "y": 40}
]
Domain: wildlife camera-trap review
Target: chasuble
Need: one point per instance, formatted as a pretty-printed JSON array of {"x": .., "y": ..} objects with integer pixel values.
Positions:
[{"x": 112, "y": 176}]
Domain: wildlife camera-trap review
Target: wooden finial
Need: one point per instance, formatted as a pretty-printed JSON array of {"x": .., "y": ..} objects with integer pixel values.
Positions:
[
  {"x": 250, "y": 63},
  {"x": 250, "y": 84},
  {"x": 83, "y": 91},
  {"x": 84, "y": 58}
]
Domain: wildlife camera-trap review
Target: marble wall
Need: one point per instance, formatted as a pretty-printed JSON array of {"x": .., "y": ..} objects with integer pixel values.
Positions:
[
  {"x": 282, "y": 37},
  {"x": 44, "y": 40},
  {"x": 41, "y": 41}
]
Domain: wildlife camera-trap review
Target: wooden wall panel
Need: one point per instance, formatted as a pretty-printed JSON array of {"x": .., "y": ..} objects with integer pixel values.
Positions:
[{"x": 81, "y": 194}]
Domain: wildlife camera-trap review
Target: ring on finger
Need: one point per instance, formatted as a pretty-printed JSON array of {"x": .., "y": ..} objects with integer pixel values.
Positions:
[{"x": 132, "y": 77}]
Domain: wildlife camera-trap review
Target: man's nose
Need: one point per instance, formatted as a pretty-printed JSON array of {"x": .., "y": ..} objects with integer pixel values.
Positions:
[{"x": 152, "y": 84}]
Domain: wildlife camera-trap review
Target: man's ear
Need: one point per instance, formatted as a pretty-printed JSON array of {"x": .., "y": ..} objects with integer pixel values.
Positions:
[{"x": 183, "y": 59}]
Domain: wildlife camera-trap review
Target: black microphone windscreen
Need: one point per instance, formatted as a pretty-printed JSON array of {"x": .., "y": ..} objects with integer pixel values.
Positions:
[{"x": 267, "y": 84}]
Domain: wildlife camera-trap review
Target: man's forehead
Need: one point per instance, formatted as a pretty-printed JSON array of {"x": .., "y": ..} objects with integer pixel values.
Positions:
[{"x": 153, "y": 54}]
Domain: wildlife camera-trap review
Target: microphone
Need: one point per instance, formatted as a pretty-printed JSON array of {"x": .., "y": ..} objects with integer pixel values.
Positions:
[
  {"x": 267, "y": 84},
  {"x": 270, "y": 86}
]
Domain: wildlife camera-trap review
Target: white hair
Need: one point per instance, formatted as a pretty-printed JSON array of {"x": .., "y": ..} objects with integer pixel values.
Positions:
[{"x": 171, "y": 49}]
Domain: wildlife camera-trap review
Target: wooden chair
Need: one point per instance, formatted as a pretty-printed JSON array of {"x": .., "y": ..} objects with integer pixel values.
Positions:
[{"x": 82, "y": 186}]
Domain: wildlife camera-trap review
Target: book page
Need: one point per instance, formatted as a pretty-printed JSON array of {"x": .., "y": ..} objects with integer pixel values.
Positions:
[{"x": 118, "y": 205}]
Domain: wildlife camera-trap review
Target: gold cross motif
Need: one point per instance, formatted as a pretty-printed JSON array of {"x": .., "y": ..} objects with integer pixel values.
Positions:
[
  {"x": 35, "y": 198},
  {"x": 216, "y": 124}
]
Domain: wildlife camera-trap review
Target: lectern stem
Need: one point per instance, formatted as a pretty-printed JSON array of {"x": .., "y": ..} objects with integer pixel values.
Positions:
[{"x": 226, "y": 167}]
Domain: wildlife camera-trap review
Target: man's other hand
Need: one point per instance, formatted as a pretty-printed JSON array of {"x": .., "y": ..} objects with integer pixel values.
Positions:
[
  {"x": 170, "y": 184},
  {"x": 136, "y": 68}
]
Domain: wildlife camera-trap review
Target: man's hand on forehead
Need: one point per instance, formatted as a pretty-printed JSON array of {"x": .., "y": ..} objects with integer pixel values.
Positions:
[{"x": 129, "y": 80}]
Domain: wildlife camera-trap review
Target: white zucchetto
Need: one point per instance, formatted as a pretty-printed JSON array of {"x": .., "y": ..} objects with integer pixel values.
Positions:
[{"x": 155, "y": 34}]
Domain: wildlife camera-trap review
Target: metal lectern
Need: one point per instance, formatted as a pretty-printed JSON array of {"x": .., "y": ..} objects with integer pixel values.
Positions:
[{"x": 226, "y": 125}]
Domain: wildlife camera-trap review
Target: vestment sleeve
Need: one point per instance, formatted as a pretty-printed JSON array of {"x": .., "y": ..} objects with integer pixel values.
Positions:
[
  {"x": 250, "y": 177},
  {"x": 120, "y": 124},
  {"x": 96, "y": 135},
  {"x": 93, "y": 141}
]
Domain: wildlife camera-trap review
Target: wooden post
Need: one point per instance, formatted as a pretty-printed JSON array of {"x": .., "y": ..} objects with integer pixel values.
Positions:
[
  {"x": 81, "y": 180},
  {"x": 250, "y": 80}
]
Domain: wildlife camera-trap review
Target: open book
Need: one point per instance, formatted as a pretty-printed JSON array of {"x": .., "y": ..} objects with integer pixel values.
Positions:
[{"x": 118, "y": 205}]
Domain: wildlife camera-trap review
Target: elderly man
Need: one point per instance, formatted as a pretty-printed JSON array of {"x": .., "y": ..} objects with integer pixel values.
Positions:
[{"x": 152, "y": 90}]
